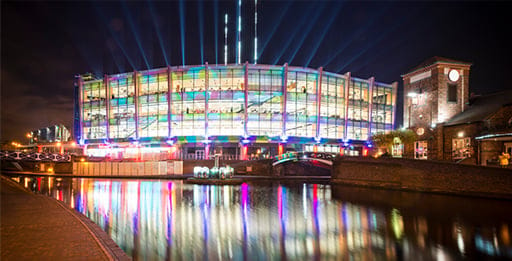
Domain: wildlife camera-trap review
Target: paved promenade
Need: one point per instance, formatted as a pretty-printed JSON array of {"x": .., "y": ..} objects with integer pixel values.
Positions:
[{"x": 36, "y": 227}]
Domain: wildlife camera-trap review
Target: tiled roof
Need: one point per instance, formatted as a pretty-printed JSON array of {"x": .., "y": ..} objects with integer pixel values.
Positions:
[
  {"x": 436, "y": 59},
  {"x": 482, "y": 107}
]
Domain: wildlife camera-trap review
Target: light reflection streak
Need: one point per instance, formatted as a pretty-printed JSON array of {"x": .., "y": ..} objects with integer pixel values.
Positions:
[{"x": 171, "y": 220}]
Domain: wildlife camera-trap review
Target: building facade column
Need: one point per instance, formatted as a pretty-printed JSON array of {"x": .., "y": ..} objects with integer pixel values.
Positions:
[
  {"x": 318, "y": 102},
  {"x": 80, "y": 131},
  {"x": 246, "y": 97},
  {"x": 206, "y": 141},
  {"x": 371, "y": 82},
  {"x": 107, "y": 100},
  {"x": 393, "y": 103},
  {"x": 169, "y": 97},
  {"x": 136, "y": 102},
  {"x": 347, "y": 88},
  {"x": 284, "y": 90}
]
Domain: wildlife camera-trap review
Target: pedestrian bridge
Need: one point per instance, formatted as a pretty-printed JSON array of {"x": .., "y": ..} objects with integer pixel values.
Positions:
[
  {"x": 34, "y": 156},
  {"x": 312, "y": 157}
]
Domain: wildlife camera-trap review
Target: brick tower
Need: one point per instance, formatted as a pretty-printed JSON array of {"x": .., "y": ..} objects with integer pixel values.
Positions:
[{"x": 435, "y": 91}]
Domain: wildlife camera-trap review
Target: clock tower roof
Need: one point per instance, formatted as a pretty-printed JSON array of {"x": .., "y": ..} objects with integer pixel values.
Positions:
[{"x": 433, "y": 61}]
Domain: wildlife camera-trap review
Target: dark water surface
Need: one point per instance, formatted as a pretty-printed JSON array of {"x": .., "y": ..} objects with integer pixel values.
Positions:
[{"x": 162, "y": 219}]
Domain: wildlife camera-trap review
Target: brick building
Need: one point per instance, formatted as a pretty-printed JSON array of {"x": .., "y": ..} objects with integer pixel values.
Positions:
[{"x": 451, "y": 125}]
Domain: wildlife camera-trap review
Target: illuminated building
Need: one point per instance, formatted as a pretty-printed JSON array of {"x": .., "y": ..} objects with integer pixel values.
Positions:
[
  {"x": 450, "y": 124},
  {"x": 54, "y": 133},
  {"x": 237, "y": 110}
]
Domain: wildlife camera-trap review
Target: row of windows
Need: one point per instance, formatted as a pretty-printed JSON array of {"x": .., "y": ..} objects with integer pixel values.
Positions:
[
  {"x": 233, "y": 79},
  {"x": 225, "y": 105}
]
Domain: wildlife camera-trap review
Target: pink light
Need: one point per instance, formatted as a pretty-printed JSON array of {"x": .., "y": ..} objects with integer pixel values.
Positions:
[
  {"x": 280, "y": 202},
  {"x": 245, "y": 189}
]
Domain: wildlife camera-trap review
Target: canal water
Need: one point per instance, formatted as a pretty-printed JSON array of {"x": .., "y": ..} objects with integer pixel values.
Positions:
[{"x": 169, "y": 219}]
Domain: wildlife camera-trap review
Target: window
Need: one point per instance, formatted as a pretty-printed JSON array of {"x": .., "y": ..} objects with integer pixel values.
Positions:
[
  {"x": 421, "y": 149},
  {"x": 461, "y": 148},
  {"x": 452, "y": 92}
]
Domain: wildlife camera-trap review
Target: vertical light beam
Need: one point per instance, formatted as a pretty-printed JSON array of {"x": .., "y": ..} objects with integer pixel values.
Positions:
[
  {"x": 239, "y": 45},
  {"x": 182, "y": 30},
  {"x": 200, "y": 13},
  {"x": 255, "y": 31},
  {"x": 226, "y": 39},
  {"x": 216, "y": 24},
  {"x": 135, "y": 33},
  {"x": 158, "y": 34}
]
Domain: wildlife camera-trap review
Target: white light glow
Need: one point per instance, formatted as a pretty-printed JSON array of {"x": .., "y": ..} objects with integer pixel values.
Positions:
[{"x": 453, "y": 75}]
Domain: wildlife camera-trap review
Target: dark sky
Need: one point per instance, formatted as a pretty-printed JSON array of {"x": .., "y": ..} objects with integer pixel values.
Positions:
[{"x": 45, "y": 44}]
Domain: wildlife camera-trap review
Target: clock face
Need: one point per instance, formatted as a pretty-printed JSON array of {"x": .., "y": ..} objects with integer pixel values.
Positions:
[
  {"x": 420, "y": 131},
  {"x": 453, "y": 75}
]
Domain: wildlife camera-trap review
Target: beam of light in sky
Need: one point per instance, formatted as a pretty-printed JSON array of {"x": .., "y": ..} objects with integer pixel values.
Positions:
[
  {"x": 407, "y": 35},
  {"x": 239, "y": 40},
  {"x": 354, "y": 35},
  {"x": 274, "y": 28},
  {"x": 255, "y": 31},
  {"x": 157, "y": 30},
  {"x": 226, "y": 39},
  {"x": 332, "y": 16},
  {"x": 135, "y": 33},
  {"x": 86, "y": 51},
  {"x": 216, "y": 29},
  {"x": 182, "y": 30},
  {"x": 111, "y": 51},
  {"x": 374, "y": 41},
  {"x": 285, "y": 46},
  {"x": 114, "y": 36},
  {"x": 200, "y": 14},
  {"x": 306, "y": 31}
]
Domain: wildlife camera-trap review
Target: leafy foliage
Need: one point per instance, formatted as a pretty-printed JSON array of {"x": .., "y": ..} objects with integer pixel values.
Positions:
[{"x": 387, "y": 139}]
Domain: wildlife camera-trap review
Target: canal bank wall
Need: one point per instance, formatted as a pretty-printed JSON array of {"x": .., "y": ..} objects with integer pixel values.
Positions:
[{"x": 423, "y": 176}]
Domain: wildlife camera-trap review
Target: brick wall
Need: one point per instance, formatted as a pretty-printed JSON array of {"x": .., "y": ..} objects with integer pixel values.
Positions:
[
  {"x": 451, "y": 132},
  {"x": 489, "y": 151},
  {"x": 434, "y": 89},
  {"x": 428, "y": 176}
]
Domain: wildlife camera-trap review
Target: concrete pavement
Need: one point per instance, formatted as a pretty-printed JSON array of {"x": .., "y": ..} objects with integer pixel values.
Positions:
[{"x": 37, "y": 227}]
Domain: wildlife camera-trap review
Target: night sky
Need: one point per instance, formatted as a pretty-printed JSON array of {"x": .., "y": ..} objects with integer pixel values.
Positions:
[{"x": 45, "y": 44}]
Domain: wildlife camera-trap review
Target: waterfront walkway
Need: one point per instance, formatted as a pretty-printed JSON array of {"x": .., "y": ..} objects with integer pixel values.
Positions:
[{"x": 37, "y": 227}]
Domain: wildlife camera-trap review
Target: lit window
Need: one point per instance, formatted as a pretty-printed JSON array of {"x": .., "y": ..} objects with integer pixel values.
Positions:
[
  {"x": 461, "y": 148},
  {"x": 421, "y": 149}
]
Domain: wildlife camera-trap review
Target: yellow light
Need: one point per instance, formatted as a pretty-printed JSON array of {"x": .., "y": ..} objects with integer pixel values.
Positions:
[
  {"x": 73, "y": 144},
  {"x": 29, "y": 135},
  {"x": 82, "y": 159},
  {"x": 460, "y": 134},
  {"x": 59, "y": 144},
  {"x": 50, "y": 170}
]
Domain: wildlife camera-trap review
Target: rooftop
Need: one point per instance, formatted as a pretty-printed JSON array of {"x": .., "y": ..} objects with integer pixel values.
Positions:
[
  {"x": 482, "y": 107},
  {"x": 434, "y": 60}
]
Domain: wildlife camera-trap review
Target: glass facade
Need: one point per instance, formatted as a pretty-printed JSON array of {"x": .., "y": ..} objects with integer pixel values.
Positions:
[{"x": 228, "y": 104}]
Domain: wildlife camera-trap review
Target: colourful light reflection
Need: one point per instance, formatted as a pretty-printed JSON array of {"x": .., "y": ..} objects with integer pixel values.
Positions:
[{"x": 170, "y": 220}]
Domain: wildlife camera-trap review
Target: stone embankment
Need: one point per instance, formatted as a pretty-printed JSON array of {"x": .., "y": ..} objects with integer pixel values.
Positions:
[
  {"x": 423, "y": 176},
  {"x": 37, "y": 227}
]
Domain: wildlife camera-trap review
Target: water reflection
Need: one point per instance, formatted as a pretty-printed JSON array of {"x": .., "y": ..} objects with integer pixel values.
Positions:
[{"x": 153, "y": 220}]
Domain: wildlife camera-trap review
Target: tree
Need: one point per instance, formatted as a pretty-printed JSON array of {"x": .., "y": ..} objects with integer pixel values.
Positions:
[{"x": 387, "y": 139}]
